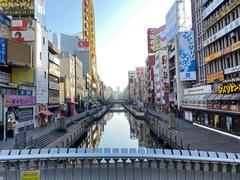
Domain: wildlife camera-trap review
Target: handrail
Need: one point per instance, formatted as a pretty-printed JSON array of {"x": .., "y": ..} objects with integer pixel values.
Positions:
[{"x": 119, "y": 153}]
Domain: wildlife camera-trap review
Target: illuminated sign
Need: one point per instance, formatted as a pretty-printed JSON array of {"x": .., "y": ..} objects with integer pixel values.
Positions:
[
  {"x": 150, "y": 34},
  {"x": 223, "y": 52},
  {"x": 30, "y": 175},
  {"x": 17, "y": 7},
  {"x": 215, "y": 76},
  {"x": 230, "y": 88},
  {"x": 17, "y": 100}
]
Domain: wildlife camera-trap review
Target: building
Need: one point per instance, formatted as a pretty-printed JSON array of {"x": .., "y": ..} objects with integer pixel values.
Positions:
[
  {"x": 79, "y": 89},
  {"x": 139, "y": 83},
  {"x": 150, "y": 65},
  {"x": 221, "y": 28},
  {"x": 53, "y": 79},
  {"x": 67, "y": 70}
]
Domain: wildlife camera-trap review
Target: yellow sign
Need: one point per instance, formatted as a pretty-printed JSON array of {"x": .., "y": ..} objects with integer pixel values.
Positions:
[
  {"x": 30, "y": 175},
  {"x": 215, "y": 76},
  {"x": 230, "y": 88},
  {"x": 223, "y": 52},
  {"x": 22, "y": 75}
]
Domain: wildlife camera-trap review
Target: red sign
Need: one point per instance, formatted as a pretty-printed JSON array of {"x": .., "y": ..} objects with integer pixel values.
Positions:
[
  {"x": 150, "y": 34},
  {"x": 83, "y": 44},
  {"x": 23, "y": 30}
]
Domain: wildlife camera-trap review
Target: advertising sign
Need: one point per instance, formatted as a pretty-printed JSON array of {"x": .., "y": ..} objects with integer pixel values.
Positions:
[
  {"x": 25, "y": 114},
  {"x": 22, "y": 75},
  {"x": 160, "y": 38},
  {"x": 211, "y": 8},
  {"x": 232, "y": 70},
  {"x": 82, "y": 44},
  {"x": 17, "y": 100},
  {"x": 230, "y": 88},
  {"x": 17, "y": 8},
  {"x": 24, "y": 92},
  {"x": 234, "y": 24},
  {"x": 30, "y": 175},
  {"x": 150, "y": 37},
  {"x": 5, "y": 27},
  {"x": 23, "y": 30},
  {"x": 198, "y": 90},
  {"x": 54, "y": 86},
  {"x": 5, "y": 77},
  {"x": 42, "y": 92},
  {"x": 171, "y": 23},
  {"x": 139, "y": 72},
  {"x": 3, "y": 50},
  {"x": 215, "y": 76},
  {"x": 187, "y": 63},
  {"x": 40, "y": 11}
]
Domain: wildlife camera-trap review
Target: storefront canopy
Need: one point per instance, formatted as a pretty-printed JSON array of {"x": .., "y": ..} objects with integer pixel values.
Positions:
[
  {"x": 196, "y": 97},
  {"x": 218, "y": 97},
  {"x": 212, "y": 97},
  {"x": 235, "y": 96},
  {"x": 226, "y": 97},
  {"x": 46, "y": 113}
]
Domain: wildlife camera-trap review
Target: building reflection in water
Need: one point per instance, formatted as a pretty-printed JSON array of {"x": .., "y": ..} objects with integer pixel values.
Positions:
[{"x": 118, "y": 129}]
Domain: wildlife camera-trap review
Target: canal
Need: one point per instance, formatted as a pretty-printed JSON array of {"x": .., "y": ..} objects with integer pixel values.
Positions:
[{"x": 118, "y": 129}]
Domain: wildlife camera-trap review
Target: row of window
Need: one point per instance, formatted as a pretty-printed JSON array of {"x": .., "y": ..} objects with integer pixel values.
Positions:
[
  {"x": 224, "y": 63},
  {"x": 222, "y": 43}
]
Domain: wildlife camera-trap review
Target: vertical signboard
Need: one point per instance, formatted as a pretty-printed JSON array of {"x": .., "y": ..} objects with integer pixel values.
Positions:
[
  {"x": 187, "y": 62},
  {"x": 159, "y": 38},
  {"x": 5, "y": 26},
  {"x": 150, "y": 37},
  {"x": 171, "y": 23},
  {"x": 40, "y": 11},
  {"x": 3, "y": 50}
]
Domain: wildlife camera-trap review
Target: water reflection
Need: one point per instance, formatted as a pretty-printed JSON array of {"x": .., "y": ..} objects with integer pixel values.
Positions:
[{"x": 118, "y": 129}]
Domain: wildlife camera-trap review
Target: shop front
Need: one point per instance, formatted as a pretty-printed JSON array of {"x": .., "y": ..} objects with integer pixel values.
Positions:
[{"x": 18, "y": 113}]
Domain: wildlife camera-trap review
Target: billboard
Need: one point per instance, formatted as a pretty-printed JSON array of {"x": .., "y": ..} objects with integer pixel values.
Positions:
[
  {"x": 171, "y": 23},
  {"x": 187, "y": 62},
  {"x": 159, "y": 38},
  {"x": 22, "y": 75},
  {"x": 139, "y": 72},
  {"x": 17, "y": 7},
  {"x": 17, "y": 100},
  {"x": 18, "y": 54},
  {"x": 3, "y": 51},
  {"x": 23, "y": 30},
  {"x": 82, "y": 44},
  {"x": 5, "y": 26},
  {"x": 150, "y": 35},
  {"x": 40, "y": 11}
]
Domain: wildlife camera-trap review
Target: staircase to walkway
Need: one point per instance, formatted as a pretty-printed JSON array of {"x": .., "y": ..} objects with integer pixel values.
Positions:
[{"x": 44, "y": 140}]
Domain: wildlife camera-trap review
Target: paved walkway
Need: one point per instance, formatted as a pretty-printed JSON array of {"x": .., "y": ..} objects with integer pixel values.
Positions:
[{"x": 203, "y": 139}]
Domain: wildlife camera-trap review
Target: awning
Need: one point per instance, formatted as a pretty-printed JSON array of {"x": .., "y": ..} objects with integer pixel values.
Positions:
[
  {"x": 235, "y": 96},
  {"x": 226, "y": 97},
  {"x": 218, "y": 97},
  {"x": 212, "y": 96},
  {"x": 46, "y": 113}
]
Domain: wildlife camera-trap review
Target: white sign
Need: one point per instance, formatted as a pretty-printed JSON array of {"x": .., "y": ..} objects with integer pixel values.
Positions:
[
  {"x": 232, "y": 70},
  {"x": 223, "y": 31},
  {"x": 53, "y": 85},
  {"x": 5, "y": 77},
  {"x": 211, "y": 8},
  {"x": 23, "y": 30},
  {"x": 198, "y": 90}
]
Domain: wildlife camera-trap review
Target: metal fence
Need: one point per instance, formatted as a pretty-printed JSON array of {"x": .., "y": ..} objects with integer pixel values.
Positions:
[{"x": 118, "y": 163}]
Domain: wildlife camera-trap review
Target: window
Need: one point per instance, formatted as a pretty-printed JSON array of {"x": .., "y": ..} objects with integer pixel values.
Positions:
[
  {"x": 43, "y": 40},
  {"x": 45, "y": 75},
  {"x": 40, "y": 55}
]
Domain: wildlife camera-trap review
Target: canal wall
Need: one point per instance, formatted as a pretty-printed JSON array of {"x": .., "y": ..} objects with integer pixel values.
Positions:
[
  {"x": 136, "y": 114},
  {"x": 76, "y": 130}
]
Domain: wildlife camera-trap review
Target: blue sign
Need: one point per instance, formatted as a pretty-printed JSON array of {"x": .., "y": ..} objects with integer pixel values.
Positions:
[
  {"x": 25, "y": 92},
  {"x": 171, "y": 23},
  {"x": 187, "y": 62},
  {"x": 3, "y": 50}
]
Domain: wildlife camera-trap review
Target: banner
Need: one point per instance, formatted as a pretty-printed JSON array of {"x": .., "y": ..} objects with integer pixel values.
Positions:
[
  {"x": 17, "y": 7},
  {"x": 150, "y": 37},
  {"x": 215, "y": 76},
  {"x": 23, "y": 30},
  {"x": 160, "y": 38},
  {"x": 187, "y": 62},
  {"x": 17, "y": 101},
  {"x": 171, "y": 23},
  {"x": 5, "y": 27}
]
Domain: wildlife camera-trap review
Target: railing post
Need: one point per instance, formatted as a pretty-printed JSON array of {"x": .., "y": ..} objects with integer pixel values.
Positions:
[{"x": 181, "y": 143}]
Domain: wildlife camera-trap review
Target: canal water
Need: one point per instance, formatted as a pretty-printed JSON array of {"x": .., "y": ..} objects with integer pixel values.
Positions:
[{"x": 118, "y": 129}]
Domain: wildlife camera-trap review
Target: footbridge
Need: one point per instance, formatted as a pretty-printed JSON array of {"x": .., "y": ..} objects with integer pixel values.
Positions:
[{"x": 117, "y": 163}]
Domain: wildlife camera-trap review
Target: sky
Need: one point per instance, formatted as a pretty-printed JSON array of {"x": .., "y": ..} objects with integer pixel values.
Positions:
[{"x": 121, "y": 31}]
